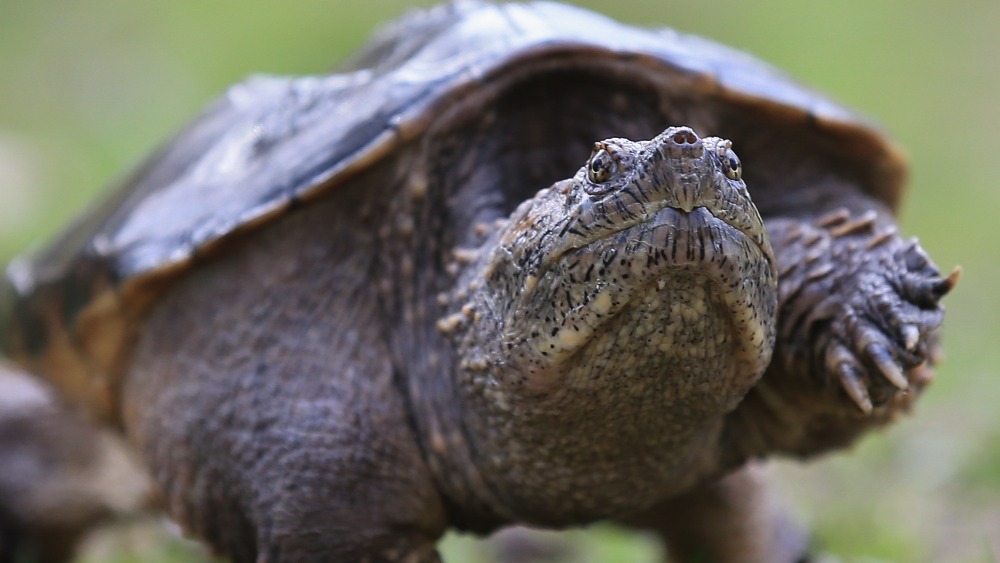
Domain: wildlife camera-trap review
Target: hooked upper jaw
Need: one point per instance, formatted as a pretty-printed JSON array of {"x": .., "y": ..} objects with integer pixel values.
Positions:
[{"x": 626, "y": 183}]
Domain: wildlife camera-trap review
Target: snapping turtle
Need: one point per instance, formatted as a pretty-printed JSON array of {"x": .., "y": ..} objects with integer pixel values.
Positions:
[{"x": 340, "y": 314}]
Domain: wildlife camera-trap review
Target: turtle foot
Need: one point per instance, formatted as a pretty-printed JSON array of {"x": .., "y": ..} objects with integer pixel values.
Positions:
[{"x": 865, "y": 307}]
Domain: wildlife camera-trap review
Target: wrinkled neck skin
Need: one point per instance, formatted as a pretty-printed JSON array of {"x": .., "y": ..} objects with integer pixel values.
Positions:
[{"x": 602, "y": 333}]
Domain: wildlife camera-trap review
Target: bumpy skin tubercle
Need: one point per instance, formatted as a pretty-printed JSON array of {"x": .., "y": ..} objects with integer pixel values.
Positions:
[{"x": 646, "y": 280}]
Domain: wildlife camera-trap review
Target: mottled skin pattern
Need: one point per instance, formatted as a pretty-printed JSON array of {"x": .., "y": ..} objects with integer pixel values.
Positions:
[{"x": 299, "y": 400}]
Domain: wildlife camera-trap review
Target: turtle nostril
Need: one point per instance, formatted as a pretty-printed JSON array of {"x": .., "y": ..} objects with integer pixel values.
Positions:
[
  {"x": 678, "y": 142},
  {"x": 685, "y": 137}
]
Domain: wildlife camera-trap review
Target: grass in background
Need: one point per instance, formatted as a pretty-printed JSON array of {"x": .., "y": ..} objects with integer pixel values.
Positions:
[{"x": 89, "y": 87}]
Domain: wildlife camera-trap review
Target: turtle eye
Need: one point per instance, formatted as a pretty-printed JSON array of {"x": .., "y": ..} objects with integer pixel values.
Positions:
[
  {"x": 731, "y": 165},
  {"x": 602, "y": 167}
]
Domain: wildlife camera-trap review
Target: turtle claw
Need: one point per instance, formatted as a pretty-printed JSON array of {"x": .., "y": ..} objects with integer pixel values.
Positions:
[
  {"x": 945, "y": 286},
  {"x": 887, "y": 365},
  {"x": 841, "y": 362},
  {"x": 911, "y": 336},
  {"x": 851, "y": 382}
]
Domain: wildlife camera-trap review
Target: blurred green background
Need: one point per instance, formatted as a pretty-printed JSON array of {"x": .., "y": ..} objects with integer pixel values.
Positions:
[{"x": 88, "y": 87}]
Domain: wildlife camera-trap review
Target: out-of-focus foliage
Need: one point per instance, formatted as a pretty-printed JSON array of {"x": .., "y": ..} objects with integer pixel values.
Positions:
[{"x": 88, "y": 87}]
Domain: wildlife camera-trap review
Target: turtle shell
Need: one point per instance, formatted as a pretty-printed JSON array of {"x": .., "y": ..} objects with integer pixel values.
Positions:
[{"x": 271, "y": 144}]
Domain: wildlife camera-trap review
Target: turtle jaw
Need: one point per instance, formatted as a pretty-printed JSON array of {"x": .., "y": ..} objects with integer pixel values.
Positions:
[
  {"x": 572, "y": 274},
  {"x": 675, "y": 170},
  {"x": 640, "y": 281},
  {"x": 737, "y": 213}
]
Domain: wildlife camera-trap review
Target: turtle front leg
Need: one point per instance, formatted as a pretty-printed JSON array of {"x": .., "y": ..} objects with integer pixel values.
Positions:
[
  {"x": 262, "y": 398},
  {"x": 273, "y": 444},
  {"x": 858, "y": 324}
]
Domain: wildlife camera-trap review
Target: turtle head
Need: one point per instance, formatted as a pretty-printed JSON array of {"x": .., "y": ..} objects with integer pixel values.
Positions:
[
  {"x": 625, "y": 183},
  {"x": 651, "y": 263}
]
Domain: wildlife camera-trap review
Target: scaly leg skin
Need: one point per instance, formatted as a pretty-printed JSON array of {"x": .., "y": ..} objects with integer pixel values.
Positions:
[
  {"x": 270, "y": 456},
  {"x": 274, "y": 428},
  {"x": 734, "y": 519},
  {"x": 858, "y": 323}
]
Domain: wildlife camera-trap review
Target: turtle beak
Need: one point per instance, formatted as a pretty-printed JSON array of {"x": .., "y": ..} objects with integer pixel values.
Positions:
[{"x": 683, "y": 150}]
